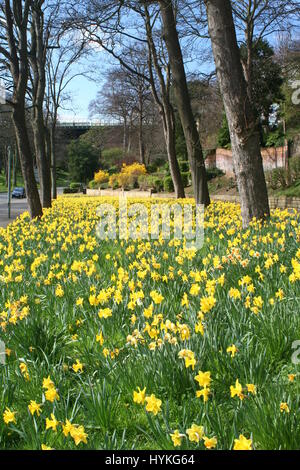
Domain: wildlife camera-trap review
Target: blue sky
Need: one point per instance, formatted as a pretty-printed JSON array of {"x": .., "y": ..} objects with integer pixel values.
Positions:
[{"x": 83, "y": 91}]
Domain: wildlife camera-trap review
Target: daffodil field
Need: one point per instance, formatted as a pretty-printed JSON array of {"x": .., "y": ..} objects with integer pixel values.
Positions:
[{"x": 143, "y": 344}]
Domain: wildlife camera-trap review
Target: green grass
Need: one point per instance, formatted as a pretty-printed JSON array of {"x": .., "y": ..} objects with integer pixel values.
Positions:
[
  {"x": 62, "y": 181},
  {"x": 291, "y": 191},
  {"x": 224, "y": 184},
  {"x": 3, "y": 187}
]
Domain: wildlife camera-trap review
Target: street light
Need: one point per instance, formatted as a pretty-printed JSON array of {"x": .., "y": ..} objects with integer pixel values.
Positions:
[{"x": 9, "y": 181}]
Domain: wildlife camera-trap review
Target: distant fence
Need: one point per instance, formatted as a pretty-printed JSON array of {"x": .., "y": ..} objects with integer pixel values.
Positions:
[{"x": 80, "y": 125}]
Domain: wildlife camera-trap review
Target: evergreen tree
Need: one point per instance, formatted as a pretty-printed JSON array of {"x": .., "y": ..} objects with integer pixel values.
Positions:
[{"x": 83, "y": 161}]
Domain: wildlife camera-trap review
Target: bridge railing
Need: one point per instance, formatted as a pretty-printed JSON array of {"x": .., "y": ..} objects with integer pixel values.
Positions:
[{"x": 86, "y": 124}]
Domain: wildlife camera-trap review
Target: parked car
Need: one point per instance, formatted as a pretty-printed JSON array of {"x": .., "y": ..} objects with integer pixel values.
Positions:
[{"x": 18, "y": 193}]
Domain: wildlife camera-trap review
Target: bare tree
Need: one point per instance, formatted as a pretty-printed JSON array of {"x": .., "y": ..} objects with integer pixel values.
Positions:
[
  {"x": 40, "y": 31},
  {"x": 7, "y": 136},
  {"x": 141, "y": 92},
  {"x": 207, "y": 108},
  {"x": 164, "y": 99},
  {"x": 116, "y": 100},
  {"x": 240, "y": 115},
  {"x": 15, "y": 17},
  {"x": 126, "y": 96},
  {"x": 183, "y": 101},
  {"x": 101, "y": 23},
  {"x": 60, "y": 72},
  {"x": 257, "y": 19}
]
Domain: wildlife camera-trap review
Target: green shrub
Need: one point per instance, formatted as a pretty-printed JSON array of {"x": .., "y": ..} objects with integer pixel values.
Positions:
[
  {"x": 224, "y": 135},
  {"x": 147, "y": 182},
  {"x": 143, "y": 182},
  {"x": 75, "y": 186},
  {"x": 275, "y": 138},
  {"x": 70, "y": 191},
  {"x": 295, "y": 168},
  {"x": 166, "y": 168},
  {"x": 83, "y": 161},
  {"x": 160, "y": 160},
  {"x": 112, "y": 156},
  {"x": 157, "y": 184},
  {"x": 186, "y": 176},
  {"x": 213, "y": 173},
  {"x": 151, "y": 168},
  {"x": 168, "y": 184},
  {"x": 113, "y": 170},
  {"x": 93, "y": 185},
  {"x": 276, "y": 178},
  {"x": 184, "y": 166}
]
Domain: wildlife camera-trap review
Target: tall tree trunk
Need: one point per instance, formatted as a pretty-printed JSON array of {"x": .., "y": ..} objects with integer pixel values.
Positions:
[
  {"x": 19, "y": 68},
  {"x": 42, "y": 160},
  {"x": 183, "y": 101},
  {"x": 243, "y": 127},
  {"x": 6, "y": 165},
  {"x": 141, "y": 140},
  {"x": 53, "y": 161},
  {"x": 141, "y": 129},
  {"x": 164, "y": 105},
  {"x": 125, "y": 140},
  {"x": 169, "y": 132},
  {"x": 39, "y": 84},
  {"x": 129, "y": 135},
  {"x": 26, "y": 161},
  {"x": 249, "y": 68}
]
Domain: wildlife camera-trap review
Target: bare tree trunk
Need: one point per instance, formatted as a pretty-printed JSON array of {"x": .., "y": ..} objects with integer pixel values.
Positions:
[
  {"x": 6, "y": 165},
  {"x": 129, "y": 135},
  {"x": 183, "y": 101},
  {"x": 50, "y": 151},
  {"x": 165, "y": 107},
  {"x": 39, "y": 84},
  {"x": 125, "y": 140},
  {"x": 141, "y": 140},
  {"x": 16, "y": 16},
  {"x": 25, "y": 155},
  {"x": 169, "y": 133},
  {"x": 141, "y": 129},
  {"x": 42, "y": 161},
  {"x": 240, "y": 115},
  {"x": 53, "y": 161},
  {"x": 249, "y": 71}
]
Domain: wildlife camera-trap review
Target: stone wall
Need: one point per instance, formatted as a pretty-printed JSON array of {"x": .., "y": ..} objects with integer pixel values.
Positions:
[
  {"x": 117, "y": 193},
  {"x": 280, "y": 202}
]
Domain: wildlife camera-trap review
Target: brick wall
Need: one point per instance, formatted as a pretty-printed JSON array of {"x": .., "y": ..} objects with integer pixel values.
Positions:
[
  {"x": 272, "y": 158},
  {"x": 210, "y": 161}
]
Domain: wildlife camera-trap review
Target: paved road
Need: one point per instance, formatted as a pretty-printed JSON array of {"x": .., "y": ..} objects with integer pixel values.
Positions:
[{"x": 18, "y": 206}]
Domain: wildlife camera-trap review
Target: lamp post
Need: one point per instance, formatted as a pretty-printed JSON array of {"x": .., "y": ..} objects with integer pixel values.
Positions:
[{"x": 9, "y": 182}]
